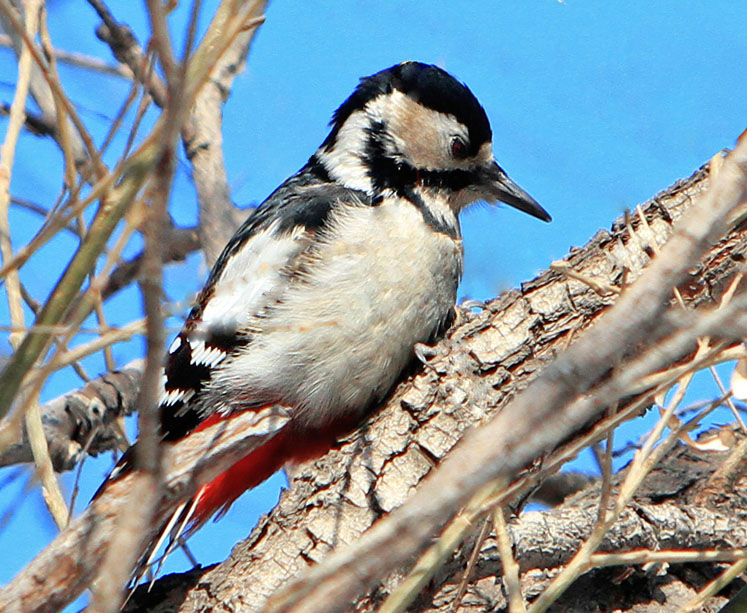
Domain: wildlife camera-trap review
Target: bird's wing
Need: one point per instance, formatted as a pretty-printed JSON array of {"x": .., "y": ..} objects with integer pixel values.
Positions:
[{"x": 252, "y": 272}]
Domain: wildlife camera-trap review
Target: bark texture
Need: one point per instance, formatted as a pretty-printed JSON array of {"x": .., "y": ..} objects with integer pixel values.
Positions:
[
  {"x": 83, "y": 421},
  {"x": 485, "y": 360}
]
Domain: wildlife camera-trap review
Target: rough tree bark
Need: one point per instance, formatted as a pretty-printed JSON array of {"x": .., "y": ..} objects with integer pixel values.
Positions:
[
  {"x": 693, "y": 500},
  {"x": 482, "y": 364},
  {"x": 478, "y": 368}
]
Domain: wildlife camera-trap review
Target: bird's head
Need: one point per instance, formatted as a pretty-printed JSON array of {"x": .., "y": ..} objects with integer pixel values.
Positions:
[{"x": 413, "y": 129}]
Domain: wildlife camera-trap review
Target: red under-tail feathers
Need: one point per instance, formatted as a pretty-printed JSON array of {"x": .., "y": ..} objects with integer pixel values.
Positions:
[
  {"x": 286, "y": 447},
  {"x": 291, "y": 445}
]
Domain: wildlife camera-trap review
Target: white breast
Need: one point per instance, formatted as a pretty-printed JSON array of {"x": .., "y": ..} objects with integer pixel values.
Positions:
[{"x": 379, "y": 282}]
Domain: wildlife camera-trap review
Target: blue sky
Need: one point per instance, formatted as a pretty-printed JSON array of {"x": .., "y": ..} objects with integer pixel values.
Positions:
[{"x": 594, "y": 107}]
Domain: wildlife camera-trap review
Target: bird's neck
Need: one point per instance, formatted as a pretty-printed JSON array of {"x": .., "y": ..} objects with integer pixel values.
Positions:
[
  {"x": 358, "y": 156},
  {"x": 344, "y": 155}
]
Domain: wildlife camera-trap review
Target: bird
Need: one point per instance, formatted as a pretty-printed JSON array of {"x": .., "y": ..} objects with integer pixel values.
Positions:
[{"x": 319, "y": 301}]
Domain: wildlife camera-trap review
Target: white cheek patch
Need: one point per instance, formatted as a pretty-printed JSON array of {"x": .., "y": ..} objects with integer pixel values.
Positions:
[{"x": 421, "y": 135}]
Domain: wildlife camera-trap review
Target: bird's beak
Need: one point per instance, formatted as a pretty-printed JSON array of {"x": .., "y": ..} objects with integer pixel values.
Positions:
[{"x": 499, "y": 187}]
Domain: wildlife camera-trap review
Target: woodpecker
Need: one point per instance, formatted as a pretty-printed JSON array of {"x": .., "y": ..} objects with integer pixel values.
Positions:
[{"x": 319, "y": 300}]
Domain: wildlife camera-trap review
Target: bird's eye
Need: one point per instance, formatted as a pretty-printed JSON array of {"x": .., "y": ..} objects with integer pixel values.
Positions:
[{"x": 458, "y": 148}]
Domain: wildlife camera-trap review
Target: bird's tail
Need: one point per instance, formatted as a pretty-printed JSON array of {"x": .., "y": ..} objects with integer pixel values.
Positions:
[{"x": 214, "y": 498}]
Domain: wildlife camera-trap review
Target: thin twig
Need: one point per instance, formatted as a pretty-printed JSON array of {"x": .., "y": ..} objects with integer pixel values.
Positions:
[
  {"x": 671, "y": 556},
  {"x": 473, "y": 558},
  {"x": 715, "y": 586},
  {"x": 645, "y": 460},
  {"x": 39, "y": 447},
  {"x": 81, "y": 548},
  {"x": 510, "y": 567},
  {"x": 80, "y": 60},
  {"x": 7, "y": 156},
  {"x": 56, "y": 88},
  {"x": 127, "y": 545},
  {"x": 433, "y": 558}
]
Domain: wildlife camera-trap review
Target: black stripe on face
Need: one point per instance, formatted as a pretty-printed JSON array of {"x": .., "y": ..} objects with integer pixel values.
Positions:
[
  {"x": 386, "y": 172},
  {"x": 453, "y": 180},
  {"x": 402, "y": 178}
]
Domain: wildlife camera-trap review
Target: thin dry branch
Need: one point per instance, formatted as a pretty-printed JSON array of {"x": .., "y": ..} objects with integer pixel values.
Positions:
[
  {"x": 126, "y": 546},
  {"x": 80, "y": 60},
  {"x": 125, "y": 48},
  {"x": 203, "y": 144},
  {"x": 40, "y": 88},
  {"x": 71, "y": 562},
  {"x": 34, "y": 124},
  {"x": 176, "y": 245},
  {"x": 544, "y": 541},
  {"x": 69, "y": 420},
  {"x": 137, "y": 170},
  {"x": 201, "y": 134}
]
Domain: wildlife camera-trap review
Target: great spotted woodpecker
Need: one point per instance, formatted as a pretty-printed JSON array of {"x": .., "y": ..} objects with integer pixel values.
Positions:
[{"x": 318, "y": 301}]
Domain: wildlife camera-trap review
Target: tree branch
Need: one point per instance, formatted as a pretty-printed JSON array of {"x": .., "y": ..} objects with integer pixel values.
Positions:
[
  {"x": 534, "y": 421},
  {"x": 483, "y": 364},
  {"x": 178, "y": 243},
  {"x": 202, "y": 131},
  {"x": 71, "y": 562},
  {"x": 83, "y": 419}
]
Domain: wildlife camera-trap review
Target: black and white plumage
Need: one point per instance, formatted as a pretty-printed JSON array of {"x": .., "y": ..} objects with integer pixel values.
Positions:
[
  {"x": 363, "y": 240},
  {"x": 319, "y": 299}
]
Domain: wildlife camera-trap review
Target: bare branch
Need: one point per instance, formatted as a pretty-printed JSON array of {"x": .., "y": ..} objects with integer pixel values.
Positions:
[
  {"x": 70, "y": 420},
  {"x": 121, "y": 40},
  {"x": 535, "y": 421},
  {"x": 203, "y": 143},
  {"x": 202, "y": 132},
  {"x": 80, "y": 60},
  {"x": 72, "y": 560},
  {"x": 40, "y": 89},
  {"x": 483, "y": 364},
  {"x": 34, "y": 124},
  {"x": 177, "y": 244}
]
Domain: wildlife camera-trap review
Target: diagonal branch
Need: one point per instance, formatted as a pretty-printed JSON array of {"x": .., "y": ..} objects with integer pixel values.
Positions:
[
  {"x": 70, "y": 420},
  {"x": 536, "y": 420},
  {"x": 483, "y": 364},
  {"x": 71, "y": 562},
  {"x": 202, "y": 132}
]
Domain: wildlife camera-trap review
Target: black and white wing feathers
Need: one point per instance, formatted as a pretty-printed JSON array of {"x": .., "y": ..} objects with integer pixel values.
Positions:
[{"x": 251, "y": 273}]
